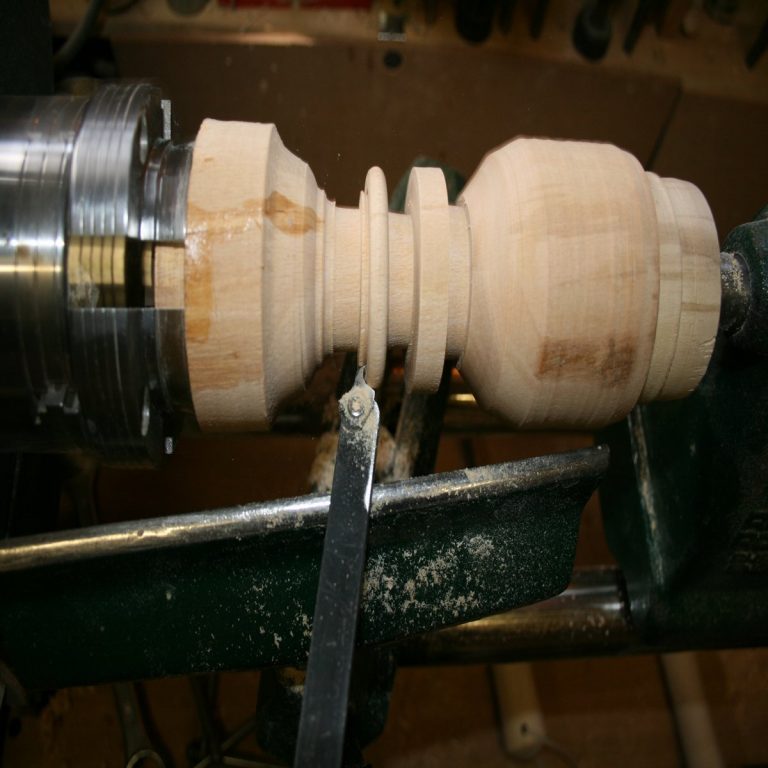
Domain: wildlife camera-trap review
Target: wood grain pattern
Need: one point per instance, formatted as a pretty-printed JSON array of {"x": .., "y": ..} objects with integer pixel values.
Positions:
[{"x": 223, "y": 276}]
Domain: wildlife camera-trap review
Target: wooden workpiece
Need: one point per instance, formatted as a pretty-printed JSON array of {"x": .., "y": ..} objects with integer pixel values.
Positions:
[{"x": 568, "y": 283}]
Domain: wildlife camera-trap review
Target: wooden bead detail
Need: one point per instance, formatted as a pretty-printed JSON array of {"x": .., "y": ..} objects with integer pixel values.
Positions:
[
  {"x": 373, "y": 349},
  {"x": 699, "y": 293},
  {"x": 426, "y": 202},
  {"x": 670, "y": 291},
  {"x": 460, "y": 280}
]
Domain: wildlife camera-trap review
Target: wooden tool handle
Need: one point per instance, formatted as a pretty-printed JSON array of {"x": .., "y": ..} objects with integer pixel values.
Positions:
[{"x": 568, "y": 283}]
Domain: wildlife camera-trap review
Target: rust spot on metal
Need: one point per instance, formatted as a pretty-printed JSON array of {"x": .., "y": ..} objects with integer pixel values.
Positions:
[
  {"x": 610, "y": 360},
  {"x": 289, "y": 217}
]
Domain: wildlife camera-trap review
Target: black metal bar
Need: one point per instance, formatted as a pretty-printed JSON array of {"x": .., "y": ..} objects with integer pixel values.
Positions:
[
  {"x": 136, "y": 741},
  {"x": 198, "y": 685},
  {"x": 418, "y": 430},
  {"x": 322, "y": 726},
  {"x": 758, "y": 47},
  {"x": 643, "y": 10},
  {"x": 538, "y": 17}
]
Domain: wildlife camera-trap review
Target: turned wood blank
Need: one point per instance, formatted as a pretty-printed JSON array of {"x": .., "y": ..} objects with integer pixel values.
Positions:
[{"x": 567, "y": 283}]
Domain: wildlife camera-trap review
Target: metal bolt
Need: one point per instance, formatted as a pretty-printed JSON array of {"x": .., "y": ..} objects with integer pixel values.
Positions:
[
  {"x": 355, "y": 407},
  {"x": 168, "y": 446}
]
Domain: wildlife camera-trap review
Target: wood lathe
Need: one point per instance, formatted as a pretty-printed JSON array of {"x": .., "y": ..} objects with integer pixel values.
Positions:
[{"x": 147, "y": 286}]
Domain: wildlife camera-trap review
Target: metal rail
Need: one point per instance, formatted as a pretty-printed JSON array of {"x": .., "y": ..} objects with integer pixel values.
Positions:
[{"x": 590, "y": 618}]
